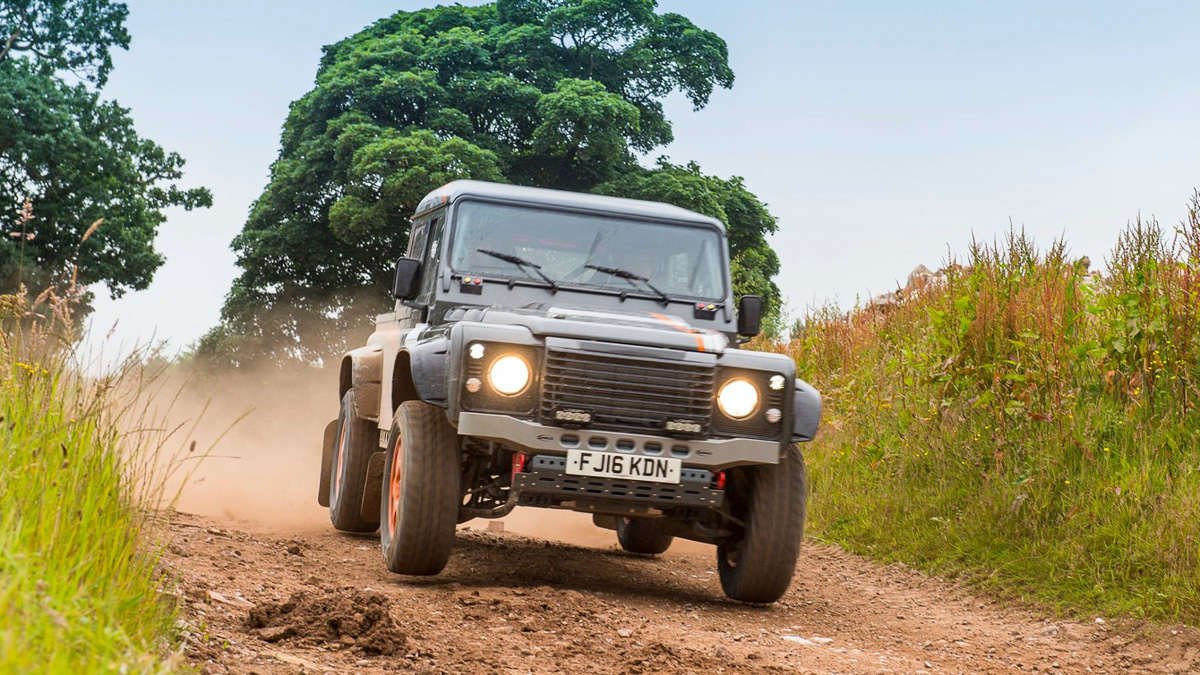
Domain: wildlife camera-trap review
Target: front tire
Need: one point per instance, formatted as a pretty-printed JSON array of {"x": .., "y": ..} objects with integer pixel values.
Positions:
[
  {"x": 772, "y": 501},
  {"x": 421, "y": 476},
  {"x": 355, "y": 442},
  {"x": 643, "y": 535}
]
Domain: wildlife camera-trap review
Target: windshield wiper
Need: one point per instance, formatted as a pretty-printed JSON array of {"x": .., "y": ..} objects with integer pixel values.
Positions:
[
  {"x": 630, "y": 277},
  {"x": 521, "y": 264}
]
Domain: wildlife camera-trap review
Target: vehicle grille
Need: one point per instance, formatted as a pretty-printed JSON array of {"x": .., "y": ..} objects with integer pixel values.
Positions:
[{"x": 626, "y": 393}]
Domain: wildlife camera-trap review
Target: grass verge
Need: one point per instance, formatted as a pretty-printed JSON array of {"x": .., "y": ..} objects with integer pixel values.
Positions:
[
  {"x": 1023, "y": 422},
  {"x": 80, "y": 588}
]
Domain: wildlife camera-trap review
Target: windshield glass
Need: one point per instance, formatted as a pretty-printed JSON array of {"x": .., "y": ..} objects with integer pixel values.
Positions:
[{"x": 682, "y": 261}]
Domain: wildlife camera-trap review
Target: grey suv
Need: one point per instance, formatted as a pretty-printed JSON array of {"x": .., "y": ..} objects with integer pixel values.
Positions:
[{"x": 571, "y": 351}]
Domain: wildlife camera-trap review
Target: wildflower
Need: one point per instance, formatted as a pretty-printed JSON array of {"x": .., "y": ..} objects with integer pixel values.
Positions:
[
  {"x": 1066, "y": 482},
  {"x": 32, "y": 369},
  {"x": 1106, "y": 449}
]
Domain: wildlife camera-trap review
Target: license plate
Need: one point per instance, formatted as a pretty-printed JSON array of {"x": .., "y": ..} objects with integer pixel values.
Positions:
[{"x": 630, "y": 467}]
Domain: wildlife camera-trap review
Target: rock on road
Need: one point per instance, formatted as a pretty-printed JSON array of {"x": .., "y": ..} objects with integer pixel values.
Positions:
[{"x": 324, "y": 603}]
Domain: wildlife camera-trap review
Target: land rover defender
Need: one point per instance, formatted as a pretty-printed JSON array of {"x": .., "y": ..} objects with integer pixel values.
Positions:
[{"x": 571, "y": 351}]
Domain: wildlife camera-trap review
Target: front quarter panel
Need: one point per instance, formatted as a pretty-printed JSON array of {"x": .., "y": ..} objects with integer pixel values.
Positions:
[
  {"x": 429, "y": 361},
  {"x": 806, "y": 412}
]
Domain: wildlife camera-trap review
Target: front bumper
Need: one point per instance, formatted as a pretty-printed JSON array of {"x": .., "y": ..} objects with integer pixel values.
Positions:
[
  {"x": 545, "y": 483},
  {"x": 533, "y": 438}
]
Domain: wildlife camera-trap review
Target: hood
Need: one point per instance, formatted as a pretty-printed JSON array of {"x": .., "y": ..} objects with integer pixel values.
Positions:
[{"x": 591, "y": 323}]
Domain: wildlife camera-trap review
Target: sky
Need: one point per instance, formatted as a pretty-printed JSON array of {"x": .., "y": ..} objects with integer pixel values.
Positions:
[{"x": 882, "y": 135}]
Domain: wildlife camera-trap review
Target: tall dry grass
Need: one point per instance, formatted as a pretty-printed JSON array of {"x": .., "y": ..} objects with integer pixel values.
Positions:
[
  {"x": 1024, "y": 422},
  {"x": 81, "y": 484}
]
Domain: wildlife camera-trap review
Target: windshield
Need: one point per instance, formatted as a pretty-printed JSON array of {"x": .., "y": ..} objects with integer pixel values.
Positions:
[{"x": 682, "y": 261}]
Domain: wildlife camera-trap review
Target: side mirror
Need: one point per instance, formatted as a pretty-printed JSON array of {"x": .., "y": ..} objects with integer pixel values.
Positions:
[
  {"x": 749, "y": 315},
  {"x": 405, "y": 285}
]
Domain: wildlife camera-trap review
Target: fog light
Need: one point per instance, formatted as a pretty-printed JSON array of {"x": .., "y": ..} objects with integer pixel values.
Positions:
[
  {"x": 773, "y": 415},
  {"x": 474, "y": 385},
  {"x": 684, "y": 426},
  {"x": 576, "y": 416},
  {"x": 509, "y": 375},
  {"x": 476, "y": 351},
  {"x": 777, "y": 382}
]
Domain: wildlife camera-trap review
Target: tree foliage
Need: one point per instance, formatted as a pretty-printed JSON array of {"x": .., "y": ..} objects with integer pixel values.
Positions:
[
  {"x": 550, "y": 93},
  {"x": 73, "y": 35},
  {"x": 746, "y": 218},
  {"x": 75, "y": 157}
]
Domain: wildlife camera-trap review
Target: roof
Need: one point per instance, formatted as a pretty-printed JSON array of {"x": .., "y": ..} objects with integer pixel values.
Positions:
[{"x": 458, "y": 189}]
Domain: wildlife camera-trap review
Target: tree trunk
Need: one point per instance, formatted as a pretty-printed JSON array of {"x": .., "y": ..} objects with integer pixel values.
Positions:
[{"x": 9, "y": 43}]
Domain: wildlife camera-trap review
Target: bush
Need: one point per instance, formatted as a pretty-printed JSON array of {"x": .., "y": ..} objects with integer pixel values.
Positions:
[{"x": 1023, "y": 421}]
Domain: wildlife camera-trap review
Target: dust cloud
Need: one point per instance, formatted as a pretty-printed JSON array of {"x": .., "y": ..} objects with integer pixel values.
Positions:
[{"x": 264, "y": 429}]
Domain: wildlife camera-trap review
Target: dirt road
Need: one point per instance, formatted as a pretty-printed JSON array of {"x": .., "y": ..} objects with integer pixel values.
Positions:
[{"x": 268, "y": 603}]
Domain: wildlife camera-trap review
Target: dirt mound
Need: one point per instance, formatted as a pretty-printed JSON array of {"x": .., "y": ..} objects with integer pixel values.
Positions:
[
  {"x": 659, "y": 657},
  {"x": 360, "y": 620}
]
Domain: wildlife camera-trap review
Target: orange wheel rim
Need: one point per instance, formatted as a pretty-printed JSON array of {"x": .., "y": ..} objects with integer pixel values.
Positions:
[{"x": 394, "y": 485}]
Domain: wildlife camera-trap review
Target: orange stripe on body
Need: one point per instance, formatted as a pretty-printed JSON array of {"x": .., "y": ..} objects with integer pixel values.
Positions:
[{"x": 674, "y": 323}]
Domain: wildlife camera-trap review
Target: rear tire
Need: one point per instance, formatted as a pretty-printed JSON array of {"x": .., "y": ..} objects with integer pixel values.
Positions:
[
  {"x": 421, "y": 476},
  {"x": 355, "y": 442},
  {"x": 643, "y": 535},
  {"x": 772, "y": 501}
]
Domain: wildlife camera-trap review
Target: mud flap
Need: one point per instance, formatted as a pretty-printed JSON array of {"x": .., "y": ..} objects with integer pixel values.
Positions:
[
  {"x": 373, "y": 492},
  {"x": 326, "y": 462},
  {"x": 605, "y": 521}
]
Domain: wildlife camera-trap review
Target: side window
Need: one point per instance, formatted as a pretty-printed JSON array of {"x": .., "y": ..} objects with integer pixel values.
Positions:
[
  {"x": 416, "y": 240},
  {"x": 429, "y": 271}
]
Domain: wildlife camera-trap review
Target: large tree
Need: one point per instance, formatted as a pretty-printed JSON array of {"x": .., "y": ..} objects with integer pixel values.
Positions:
[
  {"x": 73, "y": 156},
  {"x": 552, "y": 93}
]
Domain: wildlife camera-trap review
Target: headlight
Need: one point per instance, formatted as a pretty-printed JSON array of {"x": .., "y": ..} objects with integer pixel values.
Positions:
[
  {"x": 738, "y": 399},
  {"x": 509, "y": 375}
]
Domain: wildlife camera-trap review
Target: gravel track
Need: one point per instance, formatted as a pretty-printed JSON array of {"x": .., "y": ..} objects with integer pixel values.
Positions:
[{"x": 267, "y": 603}]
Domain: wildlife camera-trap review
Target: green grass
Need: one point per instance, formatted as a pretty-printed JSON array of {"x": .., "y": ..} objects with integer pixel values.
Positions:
[
  {"x": 80, "y": 587},
  {"x": 1023, "y": 425}
]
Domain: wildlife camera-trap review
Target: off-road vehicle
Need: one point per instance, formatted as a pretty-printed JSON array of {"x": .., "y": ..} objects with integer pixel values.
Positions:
[{"x": 571, "y": 351}]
